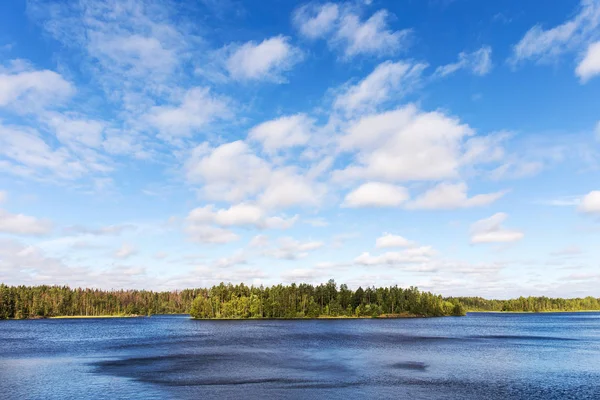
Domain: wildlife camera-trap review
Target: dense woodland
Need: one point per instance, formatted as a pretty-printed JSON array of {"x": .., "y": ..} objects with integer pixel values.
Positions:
[
  {"x": 529, "y": 304},
  {"x": 225, "y": 301},
  {"x": 241, "y": 301}
]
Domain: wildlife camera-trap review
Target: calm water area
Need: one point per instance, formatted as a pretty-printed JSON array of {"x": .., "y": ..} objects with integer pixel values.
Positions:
[{"x": 481, "y": 356}]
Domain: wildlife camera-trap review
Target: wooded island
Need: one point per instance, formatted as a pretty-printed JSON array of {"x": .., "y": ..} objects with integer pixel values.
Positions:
[{"x": 227, "y": 301}]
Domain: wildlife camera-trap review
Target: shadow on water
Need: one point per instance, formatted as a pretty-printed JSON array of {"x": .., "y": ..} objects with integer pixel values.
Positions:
[{"x": 532, "y": 357}]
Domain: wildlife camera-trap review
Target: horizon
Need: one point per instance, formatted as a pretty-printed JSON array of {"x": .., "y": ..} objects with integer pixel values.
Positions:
[{"x": 158, "y": 145}]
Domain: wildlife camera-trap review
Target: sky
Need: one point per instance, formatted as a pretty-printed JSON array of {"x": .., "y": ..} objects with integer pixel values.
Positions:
[{"x": 452, "y": 145}]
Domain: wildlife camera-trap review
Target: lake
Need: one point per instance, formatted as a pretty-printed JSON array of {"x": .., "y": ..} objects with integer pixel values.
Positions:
[{"x": 481, "y": 356}]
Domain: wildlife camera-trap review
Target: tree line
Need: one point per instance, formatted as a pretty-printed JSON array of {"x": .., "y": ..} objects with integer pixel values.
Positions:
[
  {"x": 325, "y": 300},
  {"x": 22, "y": 302},
  {"x": 278, "y": 301},
  {"x": 226, "y": 301},
  {"x": 530, "y": 304}
]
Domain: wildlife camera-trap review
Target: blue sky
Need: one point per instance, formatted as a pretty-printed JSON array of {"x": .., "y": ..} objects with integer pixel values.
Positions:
[{"x": 451, "y": 145}]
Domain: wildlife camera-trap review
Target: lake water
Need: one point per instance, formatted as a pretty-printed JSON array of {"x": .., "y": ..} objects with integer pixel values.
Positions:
[{"x": 481, "y": 356}]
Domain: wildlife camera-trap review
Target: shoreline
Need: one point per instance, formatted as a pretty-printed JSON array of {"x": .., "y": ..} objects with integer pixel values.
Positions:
[
  {"x": 532, "y": 312},
  {"x": 318, "y": 318}
]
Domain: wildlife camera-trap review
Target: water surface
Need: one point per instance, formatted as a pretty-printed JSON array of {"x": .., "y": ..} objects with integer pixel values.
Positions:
[{"x": 491, "y": 356}]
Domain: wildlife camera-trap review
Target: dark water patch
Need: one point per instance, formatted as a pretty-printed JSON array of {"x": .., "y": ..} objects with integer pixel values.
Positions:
[
  {"x": 517, "y": 357},
  {"x": 523, "y": 337},
  {"x": 411, "y": 365}
]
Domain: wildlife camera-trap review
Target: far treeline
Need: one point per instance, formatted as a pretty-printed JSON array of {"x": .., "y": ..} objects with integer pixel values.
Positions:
[
  {"x": 241, "y": 301},
  {"x": 529, "y": 304}
]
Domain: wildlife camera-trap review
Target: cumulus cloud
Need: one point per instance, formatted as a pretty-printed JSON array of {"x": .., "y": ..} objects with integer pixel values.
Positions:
[
  {"x": 376, "y": 194},
  {"x": 283, "y": 132},
  {"x": 451, "y": 196},
  {"x": 414, "y": 255},
  {"x": 590, "y": 203},
  {"x": 589, "y": 66},
  {"x": 101, "y": 231},
  {"x": 347, "y": 31},
  {"x": 291, "y": 249},
  {"x": 541, "y": 44},
  {"x": 259, "y": 241},
  {"x": 20, "y": 224},
  {"x": 404, "y": 144},
  {"x": 26, "y": 90},
  {"x": 369, "y": 37},
  {"x": 125, "y": 251},
  {"x": 230, "y": 261},
  {"x": 478, "y": 63},
  {"x": 315, "y": 21},
  {"x": 26, "y": 153},
  {"x": 201, "y": 233},
  {"x": 490, "y": 230},
  {"x": 388, "y": 80},
  {"x": 267, "y": 60},
  {"x": 74, "y": 131},
  {"x": 242, "y": 214},
  {"x": 390, "y": 240},
  {"x": 197, "y": 109},
  {"x": 234, "y": 173}
]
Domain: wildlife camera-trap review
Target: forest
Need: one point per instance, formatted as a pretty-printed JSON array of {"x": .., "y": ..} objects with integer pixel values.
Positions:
[
  {"x": 279, "y": 301},
  {"x": 529, "y": 304},
  {"x": 226, "y": 301}
]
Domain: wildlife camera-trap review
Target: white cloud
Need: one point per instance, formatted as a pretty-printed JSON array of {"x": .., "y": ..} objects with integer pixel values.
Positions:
[
  {"x": 369, "y": 37},
  {"x": 210, "y": 234},
  {"x": 20, "y": 224},
  {"x": 388, "y": 80},
  {"x": 376, "y": 194},
  {"x": 283, "y": 132},
  {"x": 404, "y": 144},
  {"x": 390, "y": 240},
  {"x": 242, "y": 214},
  {"x": 288, "y": 188},
  {"x": 451, "y": 196},
  {"x": 317, "y": 222},
  {"x": 490, "y": 230},
  {"x": 27, "y": 154},
  {"x": 232, "y": 172},
  {"x": 267, "y": 60},
  {"x": 315, "y": 21},
  {"x": 292, "y": 249},
  {"x": 197, "y": 109},
  {"x": 414, "y": 255},
  {"x": 590, "y": 203},
  {"x": 344, "y": 29},
  {"x": 125, "y": 251},
  {"x": 25, "y": 90},
  {"x": 590, "y": 64},
  {"x": 74, "y": 131},
  {"x": 568, "y": 251},
  {"x": 229, "y": 172},
  {"x": 597, "y": 131},
  {"x": 305, "y": 275},
  {"x": 541, "y": 44},
  {"x": 101, "y": 231},
  {"x": 478, "y": 62},
  {"x": 259, "y": 241},
  {"x": 231, "y": 261},
  {"x": 134, "y": 53}
]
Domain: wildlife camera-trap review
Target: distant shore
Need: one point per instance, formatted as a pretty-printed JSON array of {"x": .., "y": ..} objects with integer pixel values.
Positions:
[
  {"x": 533, "y": 312},
  {"x": 321, "y": 317},
  {"x": 93, "y": 316}
]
